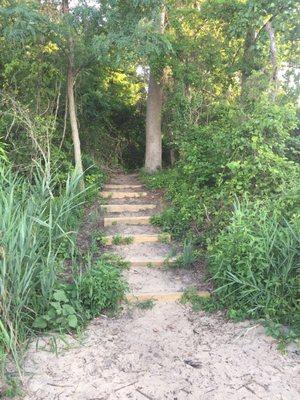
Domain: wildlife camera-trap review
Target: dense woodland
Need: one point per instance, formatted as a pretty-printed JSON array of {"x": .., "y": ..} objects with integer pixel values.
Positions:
[{"x": 202, "y": 97}]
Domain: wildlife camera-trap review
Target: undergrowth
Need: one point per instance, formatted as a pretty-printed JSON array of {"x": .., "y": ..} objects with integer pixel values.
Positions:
[
  {"x": 46, "y": 284},
  {"x": 234, "y": 197}
]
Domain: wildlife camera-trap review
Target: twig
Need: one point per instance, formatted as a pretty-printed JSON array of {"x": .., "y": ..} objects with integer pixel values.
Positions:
[
  {"x": 244, "y": 333},
  {"x": 144, "y": 394},
  {"x": 122, "y": 387}
]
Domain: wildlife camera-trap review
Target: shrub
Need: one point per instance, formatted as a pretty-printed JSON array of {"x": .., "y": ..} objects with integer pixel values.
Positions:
[
  {"x": 255, "y": 264},
  {"x": 101, "y": 287},
  {"x": 231, "y": 152}
]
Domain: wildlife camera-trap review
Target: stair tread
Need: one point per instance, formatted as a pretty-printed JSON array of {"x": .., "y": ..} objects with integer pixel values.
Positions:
[
  {"x": 116, "y": 195},
  {"x": 127, "y": 220}
]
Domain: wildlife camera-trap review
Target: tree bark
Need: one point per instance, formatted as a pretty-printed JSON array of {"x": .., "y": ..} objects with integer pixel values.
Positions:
[
  {"x": 73, "y": 121},
  {"x": 72, "y": 106},
  {"x": 153, "y": 157},
  {"x": 248, "y": 58},
  {"x": 273, "y": 58}
]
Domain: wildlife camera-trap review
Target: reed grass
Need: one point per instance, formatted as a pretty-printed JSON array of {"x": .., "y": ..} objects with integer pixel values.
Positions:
[{"x": 37, "y": 221}]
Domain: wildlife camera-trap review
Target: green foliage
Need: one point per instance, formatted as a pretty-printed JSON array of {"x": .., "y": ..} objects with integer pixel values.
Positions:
[
  {"x": 36, "y": 236},
  {"x": 145, "y": 305},
  {"x": 101, "y": 287},
  {"x": 119, "y": 239},
  {"x": 60, "y": 316},
  {"x": 237, "y": 151},
  {"x": 199, "y": 303},
  {"x": 255, "y": 264},
  {"x": 188, "y": 256}
]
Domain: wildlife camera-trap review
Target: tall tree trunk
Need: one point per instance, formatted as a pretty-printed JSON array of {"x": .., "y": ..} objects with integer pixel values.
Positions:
[
  {"x": 273, "y": 58},
  {"x": 248, "y": 58},
  {"x": 73, "y": 121},
  {"x": 71, "y": 100},
  {"x": 153, "y": 157}
]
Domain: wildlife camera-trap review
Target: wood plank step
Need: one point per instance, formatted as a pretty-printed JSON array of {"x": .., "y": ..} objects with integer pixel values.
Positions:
[
  {"x": 158, "y": 296},
  {"x": 122, "y": 195},
  {"x": 126, "y": 220},
  {"x": 127, "y": 207},
  {"x": 121, "y": 186},
  {"x": 136, "y": 239},
  {"x": 148, "y": 262}
]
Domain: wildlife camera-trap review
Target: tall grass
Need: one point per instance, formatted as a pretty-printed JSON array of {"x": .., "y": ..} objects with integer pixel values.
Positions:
[
  {"x": 255, "y": 264},
  {"x": 36, "y": 225}
]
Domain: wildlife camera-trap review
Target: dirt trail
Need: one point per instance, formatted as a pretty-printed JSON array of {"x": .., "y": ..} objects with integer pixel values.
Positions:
[{"x": 167, "y": 352}]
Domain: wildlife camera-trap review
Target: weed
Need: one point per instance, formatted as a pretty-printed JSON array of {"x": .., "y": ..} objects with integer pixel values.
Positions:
[
  {"x": 164, "y": 238},
  {"x": 101, "y": 288},
  {"x": 199, "y": 303},
  {"x": 150, "y": 265},
  {"x": 115, "y": 261},
  {"x": 11, "y": 388},
  {"x": 145, "y": 304},
  {"x": 128, "y": 240},
  {"x": 60, "y": 316},
  {"x": 117, "y": 239},
  {"x": 188, "y": 257},
  {"x": 283, "y": 334}
]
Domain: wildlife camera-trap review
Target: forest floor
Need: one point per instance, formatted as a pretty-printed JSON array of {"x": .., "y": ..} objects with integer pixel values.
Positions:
[{"x": 162, "y": 352}]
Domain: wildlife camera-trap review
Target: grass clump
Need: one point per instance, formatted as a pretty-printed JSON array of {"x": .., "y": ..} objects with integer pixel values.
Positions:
[
  {"x": 255, "y": 264},
  {"x": 119, "y": 239},
  {"x": 146, "y": 304},
  {"x": 199, "y": 303},
  {"x": 188, "y": 256}
]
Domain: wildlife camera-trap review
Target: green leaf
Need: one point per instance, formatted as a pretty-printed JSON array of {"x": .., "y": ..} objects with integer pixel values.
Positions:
[
  {"x": 40, "y": 323},
  {"x": 59, "y": 295},
  {"x": 56, "y": 305},
  {"x": 72, "y": 321},
  {"x": 67, "y": 309}
]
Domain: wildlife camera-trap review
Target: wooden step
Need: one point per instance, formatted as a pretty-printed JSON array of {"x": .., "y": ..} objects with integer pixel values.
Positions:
[
  {"x": 135, "y": 239},
  {"x": 122, "y": 195},
  {"x": 121, "y": 186},
  {"x": 127, "y": 207},
  {"x": 148, "y": 262},
  {"x": 160, "y": 296},
  {"x": 126, "y": 220}
]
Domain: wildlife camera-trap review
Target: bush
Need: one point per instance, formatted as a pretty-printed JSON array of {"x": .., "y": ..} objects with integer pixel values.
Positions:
[
  {"x": 231, "y": 152},
  {"x": 101, "y": 287},
  {"x": 255, "y": 264}
]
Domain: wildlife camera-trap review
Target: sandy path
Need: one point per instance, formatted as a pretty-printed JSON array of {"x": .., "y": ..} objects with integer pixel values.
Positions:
[{"x": 167, "y": 352}]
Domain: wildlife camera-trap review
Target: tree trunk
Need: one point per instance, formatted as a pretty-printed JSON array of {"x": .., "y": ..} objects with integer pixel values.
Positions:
[
  {"x": 273, "y": 58},
  {"x": 71, "y": 100},
  {"x": 153, "y": 159},
  {"x": 73, "y": 121},
  {"x": 248, "y": 58}
]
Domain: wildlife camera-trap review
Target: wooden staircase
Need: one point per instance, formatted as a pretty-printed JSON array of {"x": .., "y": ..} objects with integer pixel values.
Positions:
[{"x": 143, "y": 251}]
